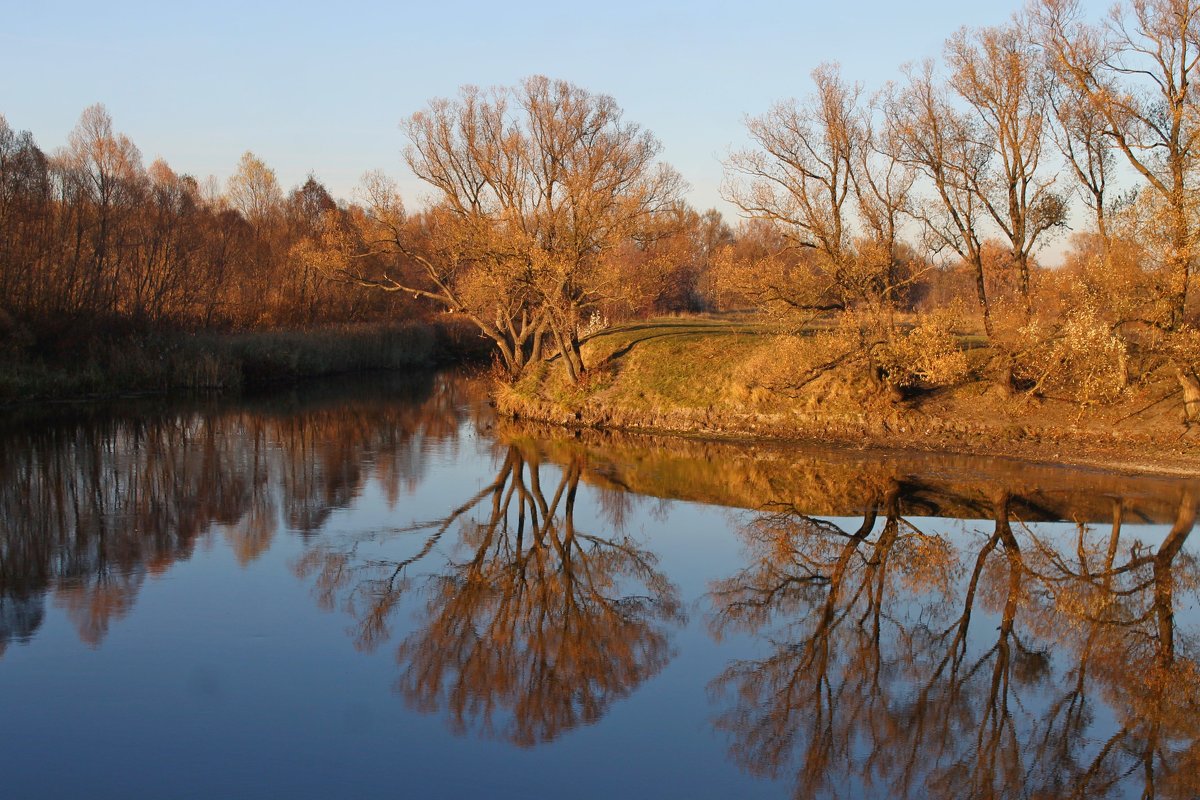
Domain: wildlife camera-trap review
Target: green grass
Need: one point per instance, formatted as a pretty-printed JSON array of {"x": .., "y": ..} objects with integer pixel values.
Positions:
[
  {"x": 687, "y": 362},
  {"x": 674, "y": 373}
]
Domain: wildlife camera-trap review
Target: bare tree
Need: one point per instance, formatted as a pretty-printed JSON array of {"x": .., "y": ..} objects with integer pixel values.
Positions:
[
  {"x": 799, "y": 176},
  {"x": 883, "y": 186},
  {"x": 1080, "y": 136},
  {"x": 454, "y": 268},
  {"x": 999, "y": 74},
  {"x": 254, "y": 190},
  {"x": 100, "y": 181},
  {"x": 1134, "y": 73},
  {"x": 945, "y": 146},
  {"x": 536, "y": 187}
]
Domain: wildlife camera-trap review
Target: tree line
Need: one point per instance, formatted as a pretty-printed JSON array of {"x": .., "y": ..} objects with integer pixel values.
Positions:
[
  {"x": 89, "y": 235},
  {"x": 91, "y": 239}
]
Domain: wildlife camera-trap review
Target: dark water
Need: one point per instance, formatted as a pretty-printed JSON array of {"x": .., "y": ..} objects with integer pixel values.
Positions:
[{"x": 374, "y": 589}]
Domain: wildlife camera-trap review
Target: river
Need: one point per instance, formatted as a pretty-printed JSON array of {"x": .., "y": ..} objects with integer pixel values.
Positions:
[{"x": 373, "y": 587}]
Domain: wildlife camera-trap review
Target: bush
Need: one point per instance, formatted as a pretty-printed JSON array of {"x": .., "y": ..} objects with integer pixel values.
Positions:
[
  {"x": 1084, "y": 360},
  {"x": 930, "y": 353}
]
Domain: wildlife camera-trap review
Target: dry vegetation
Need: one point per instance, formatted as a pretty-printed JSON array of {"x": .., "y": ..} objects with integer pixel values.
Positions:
[
  {"x": 734, "y": 377},
  {"x": 221, "y": 362}
]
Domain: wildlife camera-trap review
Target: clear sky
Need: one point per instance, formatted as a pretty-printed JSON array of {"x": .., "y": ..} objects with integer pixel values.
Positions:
[{"x": 322, "y": 87}]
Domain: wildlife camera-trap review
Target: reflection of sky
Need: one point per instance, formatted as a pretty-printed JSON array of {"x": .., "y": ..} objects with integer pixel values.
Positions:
[{"x": 228, "y": 680}]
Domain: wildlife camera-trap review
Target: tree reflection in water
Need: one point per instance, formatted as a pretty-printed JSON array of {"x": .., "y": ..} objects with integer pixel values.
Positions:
[
  {"x": 90, "y": 506},
  {"x": 533, "y": 626},
  {"x": 914, "y": 663}
]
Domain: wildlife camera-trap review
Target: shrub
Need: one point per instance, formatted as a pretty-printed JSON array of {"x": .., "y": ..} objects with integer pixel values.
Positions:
[
  {"x": 930, "y": 353},
  {"x": 1084, "y": 360}
]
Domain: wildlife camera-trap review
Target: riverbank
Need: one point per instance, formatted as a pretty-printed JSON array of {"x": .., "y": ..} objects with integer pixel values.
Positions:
[
  {"x": 222, "y": 363},
  {"x": 711, "y": 378}
]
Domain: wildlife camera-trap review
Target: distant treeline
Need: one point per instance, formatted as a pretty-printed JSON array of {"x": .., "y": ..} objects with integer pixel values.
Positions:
[
  {"x": 90, "y": 236},
  {"x": 91, "y": 240}
]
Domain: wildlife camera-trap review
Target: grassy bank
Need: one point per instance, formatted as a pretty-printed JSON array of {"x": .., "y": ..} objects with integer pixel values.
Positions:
[
  {"x": 713, "y": 377},
  {"x": 230, "y": 362}
]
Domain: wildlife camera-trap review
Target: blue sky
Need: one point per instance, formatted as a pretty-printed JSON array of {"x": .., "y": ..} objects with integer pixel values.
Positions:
[{"x": 322, "y": 87}]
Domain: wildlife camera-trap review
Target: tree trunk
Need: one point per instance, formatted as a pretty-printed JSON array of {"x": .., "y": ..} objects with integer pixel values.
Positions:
[
  {"x": 1022, "y": 260},
  {"x": 564, "y": 350},
  {"x": 1180, "y": 265},
  {"x": 576, "y": 351},
  {"x": 511, "y": 362},
  {"x": 1189, "y": 381},
  {"x": 981, "y": 291},
  {"x": 1004, "y": 374},
  {"x": 535, "y": 349}
]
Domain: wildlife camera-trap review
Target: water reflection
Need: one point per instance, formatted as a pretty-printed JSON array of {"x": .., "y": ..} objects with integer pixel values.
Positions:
[
  {"x": 531, "y": 626},
  {"x": 906, "y": 661},
  {"x": 89, "y": 506},
  {"x": 897, "y": 625}
]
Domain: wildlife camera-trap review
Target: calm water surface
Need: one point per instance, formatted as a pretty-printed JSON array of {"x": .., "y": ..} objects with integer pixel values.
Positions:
[{"x": 373, "y": 589}]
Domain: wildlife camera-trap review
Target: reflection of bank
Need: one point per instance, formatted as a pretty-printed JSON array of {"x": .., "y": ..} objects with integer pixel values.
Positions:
[
  {"x": 91, "y": 505},
  {"x": 911, "y": 663},
  {"x": 838, "y": 482},
  {"x": 533, "y": 627}
]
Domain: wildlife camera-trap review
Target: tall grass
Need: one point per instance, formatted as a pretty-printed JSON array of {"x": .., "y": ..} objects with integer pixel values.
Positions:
[{"x": 216, "y": 362}]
